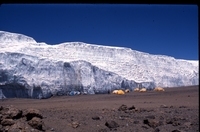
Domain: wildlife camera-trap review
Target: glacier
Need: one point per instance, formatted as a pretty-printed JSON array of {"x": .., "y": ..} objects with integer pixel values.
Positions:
[{"x": 30, "y": 69}]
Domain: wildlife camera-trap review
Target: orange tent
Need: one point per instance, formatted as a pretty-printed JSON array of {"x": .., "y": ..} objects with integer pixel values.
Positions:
[{"x": 120, "y": 92}]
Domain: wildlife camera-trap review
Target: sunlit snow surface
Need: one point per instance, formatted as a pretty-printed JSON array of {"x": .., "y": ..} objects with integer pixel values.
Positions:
[{"x": 42, "y": 70}]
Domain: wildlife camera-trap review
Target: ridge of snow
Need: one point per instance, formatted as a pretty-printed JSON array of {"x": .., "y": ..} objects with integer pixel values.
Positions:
[
  {"x": 134, "y": 65},
  {"x": 7, "y": 37}
]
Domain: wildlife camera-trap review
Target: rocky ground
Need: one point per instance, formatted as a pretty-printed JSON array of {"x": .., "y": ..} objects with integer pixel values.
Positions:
[{"x": 175, "y": 110}]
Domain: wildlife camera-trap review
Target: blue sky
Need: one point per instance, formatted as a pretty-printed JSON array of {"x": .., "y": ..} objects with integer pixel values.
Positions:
[{"x": 156, "y": 29}]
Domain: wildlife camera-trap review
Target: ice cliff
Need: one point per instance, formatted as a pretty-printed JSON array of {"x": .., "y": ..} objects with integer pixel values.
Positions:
[{"x": 37, "y": 70}]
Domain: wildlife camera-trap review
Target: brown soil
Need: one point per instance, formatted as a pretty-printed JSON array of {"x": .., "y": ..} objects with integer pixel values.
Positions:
[{"x": 176, "y": 109}]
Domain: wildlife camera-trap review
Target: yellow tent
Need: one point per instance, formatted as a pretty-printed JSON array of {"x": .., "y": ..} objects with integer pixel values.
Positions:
[
  {"x": 127, "y": 91},
  {"x": 115, "y": 91},
  {"x": 120, "y": 92}
]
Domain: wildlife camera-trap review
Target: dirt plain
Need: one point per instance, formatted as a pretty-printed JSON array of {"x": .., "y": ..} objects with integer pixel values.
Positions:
[{"x": 174, "y": 110}]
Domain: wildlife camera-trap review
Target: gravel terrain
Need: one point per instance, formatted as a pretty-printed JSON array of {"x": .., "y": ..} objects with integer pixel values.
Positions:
[{"x": 174, "y": 110}]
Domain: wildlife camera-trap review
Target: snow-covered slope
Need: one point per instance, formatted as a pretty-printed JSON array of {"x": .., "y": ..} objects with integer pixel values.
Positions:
[
  {"x": 7, "y": 37},
  {"x": 30, "y": 76},
  {"x": 39, "y": 63}
]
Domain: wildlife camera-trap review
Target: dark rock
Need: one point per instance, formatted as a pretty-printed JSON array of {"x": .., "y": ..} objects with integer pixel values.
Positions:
[
  {"x": 142, "y": 110},
  {"x": 36, "y": 123},
  {"x": 145, "y": 121},
  {"x": 1, "y": 117},
  {"x": 168, "y": 121},
  {"x": 145, "y": 110},
  {"x": 1, "y": 128},
  {"x": 14, "y": 113},
  {"x": 151, "y": 122},
  {"x": 176, "y": 123},
  {"x": 15, "y": 120},
  {"x": 173, "y": 121},
  {"x": 123, "y": 108},
  {"x": 157, "y": 130},
  {"x": 126, "y": 111},
  {"x": 111, "y": 124},
  {"x": 182, "y": 107},
  {"x": 131, "y": 108},
  {"x": 15, "y": 128},
  {"x": 21, "y": 125},
  {"x": 96, "y": 118},
  {"x": 30, "y": 113},
  {"x": 7, "y": 122},
  {"x": 1, "y": 108}
]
